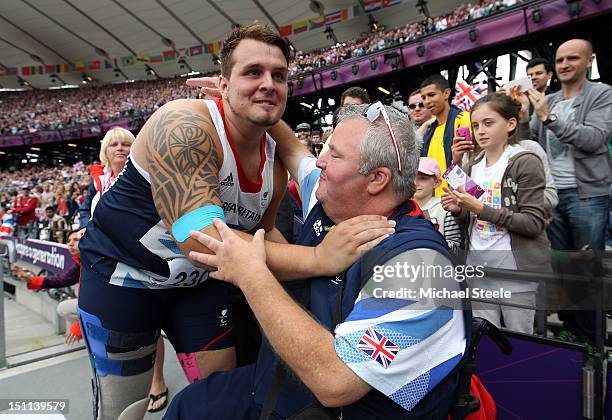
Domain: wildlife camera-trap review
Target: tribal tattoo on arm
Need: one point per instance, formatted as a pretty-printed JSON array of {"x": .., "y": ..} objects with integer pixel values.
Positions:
[{"x": 183, "y": 164}]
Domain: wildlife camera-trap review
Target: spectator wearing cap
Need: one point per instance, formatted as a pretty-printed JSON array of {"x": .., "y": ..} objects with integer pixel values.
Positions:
[
  {"x": 303, "y": 134},
  {"x": 427, "y": 180}
]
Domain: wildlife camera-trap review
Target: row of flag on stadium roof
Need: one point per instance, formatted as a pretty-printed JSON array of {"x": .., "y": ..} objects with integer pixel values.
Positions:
[
  {"x": 348, "y": 13},
  {"x": 294, "y": 28},
  {"x": 301, "y": 26},
  {"x": 111, "y": 63}
]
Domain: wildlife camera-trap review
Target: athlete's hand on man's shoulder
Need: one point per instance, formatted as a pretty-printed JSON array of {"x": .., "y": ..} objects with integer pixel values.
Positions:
[
  {"x": 350, "y": 239},
  {"x": 209, "y": 85}
]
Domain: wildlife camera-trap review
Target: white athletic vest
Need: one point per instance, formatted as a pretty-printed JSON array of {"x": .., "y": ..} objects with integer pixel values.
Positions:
[{"x": 242, "y": 209}]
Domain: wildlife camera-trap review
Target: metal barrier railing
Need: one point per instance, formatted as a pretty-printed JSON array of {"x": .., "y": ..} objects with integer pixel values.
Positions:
[
  {"x": 34, "y": 231},
  {"x": 599, "y": 282}
]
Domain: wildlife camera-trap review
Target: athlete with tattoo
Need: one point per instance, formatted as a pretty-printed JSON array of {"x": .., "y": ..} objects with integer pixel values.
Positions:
[{"x": 194, "y": 161}]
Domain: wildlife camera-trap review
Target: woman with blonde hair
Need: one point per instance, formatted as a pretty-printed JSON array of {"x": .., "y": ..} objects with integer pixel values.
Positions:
[{"x": 114, "y": 151}]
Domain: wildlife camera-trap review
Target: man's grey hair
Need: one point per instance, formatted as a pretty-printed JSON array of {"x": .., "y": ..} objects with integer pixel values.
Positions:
[{"x": 376, "y": 148}]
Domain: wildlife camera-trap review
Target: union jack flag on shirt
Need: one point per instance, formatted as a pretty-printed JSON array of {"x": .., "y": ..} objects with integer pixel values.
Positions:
[
  {"x": 466, "y": 95},
  {"x": 378, "y": 347}
]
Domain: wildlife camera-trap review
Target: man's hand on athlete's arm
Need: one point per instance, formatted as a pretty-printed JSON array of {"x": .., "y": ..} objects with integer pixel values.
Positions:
[
  {"x": 342, "y": 246},
  {"x": 243, "y": 263}
]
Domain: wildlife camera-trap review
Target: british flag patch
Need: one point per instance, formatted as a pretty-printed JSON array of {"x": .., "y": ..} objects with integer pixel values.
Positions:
[{"x": 378, "y": 347}]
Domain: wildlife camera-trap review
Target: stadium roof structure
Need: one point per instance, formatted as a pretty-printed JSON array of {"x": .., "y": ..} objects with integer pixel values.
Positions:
[{"x": 50, "y": 43}]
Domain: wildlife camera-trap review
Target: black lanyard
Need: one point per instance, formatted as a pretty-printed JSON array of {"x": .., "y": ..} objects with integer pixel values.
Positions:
[{"x": 281, "y": 370}]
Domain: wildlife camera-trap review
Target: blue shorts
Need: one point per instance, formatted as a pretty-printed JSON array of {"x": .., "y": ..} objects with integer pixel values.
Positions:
[
  {"x": 194, "y": 319},
  {"x": 221, "y": 396}
]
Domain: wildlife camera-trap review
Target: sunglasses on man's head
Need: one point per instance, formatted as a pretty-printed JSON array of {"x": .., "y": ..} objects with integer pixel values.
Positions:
[
  {"x": 414, "y": 106},
  {"x": 372, "y": 113}
]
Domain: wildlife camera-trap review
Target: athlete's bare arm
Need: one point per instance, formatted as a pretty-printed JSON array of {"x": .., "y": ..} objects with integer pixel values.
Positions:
[
  {"x": 268, "y": 220},
  {"x": 290, "y": 150},
  {"x": 179, "y": 148}
]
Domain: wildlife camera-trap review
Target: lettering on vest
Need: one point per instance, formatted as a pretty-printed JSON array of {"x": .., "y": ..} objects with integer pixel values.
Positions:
[
  {"x": 318, "y": 227},
  {"x": 241, "y": 211}
]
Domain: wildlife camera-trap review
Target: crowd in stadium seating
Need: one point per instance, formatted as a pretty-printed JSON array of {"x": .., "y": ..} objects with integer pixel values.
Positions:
[
  {"x": 356, "y": 47},
  {"x": 35, "y": 110},
  {"x": 62, "y": 189},
  {"x": 23, "y": 112}
]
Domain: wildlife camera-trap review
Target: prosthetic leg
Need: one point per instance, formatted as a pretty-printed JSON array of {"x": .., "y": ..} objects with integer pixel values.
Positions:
[{"x": 122, "y": 365}]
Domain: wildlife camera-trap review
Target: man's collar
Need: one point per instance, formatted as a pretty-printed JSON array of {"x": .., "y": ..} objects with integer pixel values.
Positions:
[{"x": 408, "y": 208}]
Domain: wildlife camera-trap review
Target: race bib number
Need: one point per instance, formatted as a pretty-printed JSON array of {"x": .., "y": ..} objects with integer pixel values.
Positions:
[{"x": 185, "y": 274}]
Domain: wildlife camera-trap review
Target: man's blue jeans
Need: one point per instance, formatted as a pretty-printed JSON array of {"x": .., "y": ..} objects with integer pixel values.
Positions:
[{"x": 578, "y": 222}]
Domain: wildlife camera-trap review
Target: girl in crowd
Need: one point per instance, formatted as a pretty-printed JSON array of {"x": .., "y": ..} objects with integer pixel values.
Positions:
[{"x": 505, "y": 228}]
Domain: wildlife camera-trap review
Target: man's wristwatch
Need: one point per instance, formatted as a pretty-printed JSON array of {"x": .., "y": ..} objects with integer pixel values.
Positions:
[{"x": 551, "y": 118}]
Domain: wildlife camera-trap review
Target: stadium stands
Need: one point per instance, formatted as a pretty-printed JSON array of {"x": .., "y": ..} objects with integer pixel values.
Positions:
[
  {"x": 357, "y": 47},
  {"x": 37, "y": 110}
]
